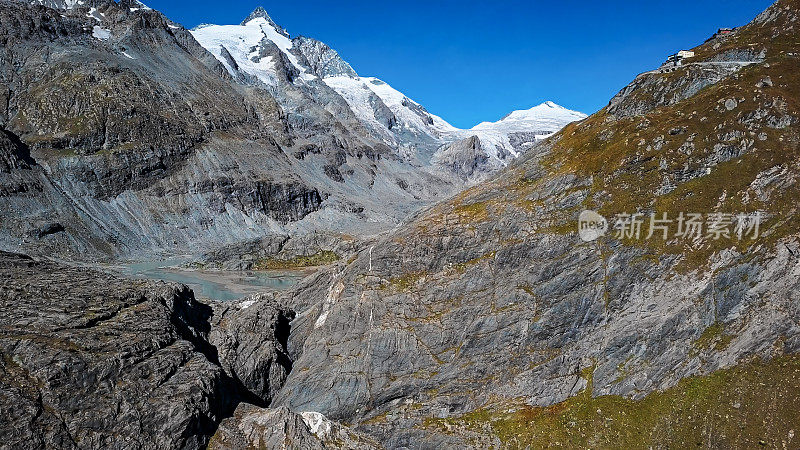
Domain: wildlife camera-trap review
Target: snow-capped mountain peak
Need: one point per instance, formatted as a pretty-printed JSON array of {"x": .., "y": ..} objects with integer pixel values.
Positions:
[
  {"x": 503, "y": 140},
  {"x": 248, "y": 50},
  {"x": 260, "y": 51},
  {"x": 261, "y": 13},
  {"x": 547, "y": 116}
]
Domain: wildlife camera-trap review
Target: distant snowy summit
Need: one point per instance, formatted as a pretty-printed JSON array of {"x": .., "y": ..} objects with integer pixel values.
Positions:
[
  {"x": 544, "y": 117},
  {"x": 519, "y": 128},
  {"x": 259, "y": 51}
]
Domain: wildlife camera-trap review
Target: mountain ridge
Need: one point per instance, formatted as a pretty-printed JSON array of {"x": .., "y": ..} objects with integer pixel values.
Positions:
[{"x": 392, "y": 116}]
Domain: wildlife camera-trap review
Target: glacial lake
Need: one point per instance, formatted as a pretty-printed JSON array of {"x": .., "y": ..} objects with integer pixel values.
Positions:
[{"x": 217, "y": 285}]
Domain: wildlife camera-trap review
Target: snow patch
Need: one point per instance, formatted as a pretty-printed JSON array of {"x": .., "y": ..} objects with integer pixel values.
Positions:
[
  {"x": 317, "y": 423},
  {"x": 101, "y": 33},
  {"x": 247, "y": 303},
  {"x": 95, "y": 14},
  {"x": 334, "y": 291}
]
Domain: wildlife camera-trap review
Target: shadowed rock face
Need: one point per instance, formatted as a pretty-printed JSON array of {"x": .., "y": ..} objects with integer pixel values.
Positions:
[
  {"x": 14, "y": 155},
  {"x": 106, "y": 363},
  {"x": 250, "y": 337}
]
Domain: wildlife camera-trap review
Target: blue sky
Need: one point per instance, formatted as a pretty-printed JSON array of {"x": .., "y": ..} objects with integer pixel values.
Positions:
[{"x": 475, "y": 61}]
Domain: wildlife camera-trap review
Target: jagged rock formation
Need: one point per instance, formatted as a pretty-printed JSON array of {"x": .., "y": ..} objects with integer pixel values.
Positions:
[
  {"x": 253, "y": 427},
  {"x": 465, "y": 158},
  {"x": 250, "y": 336},
  {"x": 105, "y": 363},
  {"x": 322, "y": 60}
]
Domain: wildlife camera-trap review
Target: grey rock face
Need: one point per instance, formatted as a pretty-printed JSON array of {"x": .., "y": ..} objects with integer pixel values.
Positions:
[
  {"x": 466, "y": 158},
  {"x": 105, "y": 363},
  {"x": 253, "y": 427},
  {"x": 250, "y": 336},
  {"x": 321, "y": 59}
]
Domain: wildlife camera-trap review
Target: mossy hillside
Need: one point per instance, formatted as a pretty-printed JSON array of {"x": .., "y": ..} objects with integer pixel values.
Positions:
[
  {"x": 628, "y": 159},
  {"x": 321, "y": 258},
  {"x": 713, "y": 338},
  {"x": 749, "y": 406},
  {"x": 757, "y": 35},
  {"x": 405, "y": 282}
]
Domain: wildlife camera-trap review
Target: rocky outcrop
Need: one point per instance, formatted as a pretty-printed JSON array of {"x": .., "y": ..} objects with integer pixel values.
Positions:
[
  {"x": 250, "y": 336},
  {"x": 650, "y": 91},
  {"x": 253, "y": 427},
  {"x": 91, "y": 361},
  {"x": 14, "y": 154},
  {"x": 322, "y": 60},
  {"x": 466, "y": 158}
]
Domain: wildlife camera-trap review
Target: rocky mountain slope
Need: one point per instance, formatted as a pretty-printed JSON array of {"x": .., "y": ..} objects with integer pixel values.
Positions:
[
  {"x": 142, "y": 141},
  {"x": 486, "y": 321}
]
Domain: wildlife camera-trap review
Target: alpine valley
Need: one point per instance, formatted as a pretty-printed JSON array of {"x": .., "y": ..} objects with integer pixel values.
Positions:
[
  {"x": 445, "y": 297},
  {"x": 148, "y": 139}
]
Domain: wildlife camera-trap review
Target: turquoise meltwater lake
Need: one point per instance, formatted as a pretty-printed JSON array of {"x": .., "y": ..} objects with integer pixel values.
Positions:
[{"x": 216, "y": 285}]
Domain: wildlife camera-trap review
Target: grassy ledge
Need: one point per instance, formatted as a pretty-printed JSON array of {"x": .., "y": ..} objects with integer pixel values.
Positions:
[
  {"x": 753, "y": 405},
  {"x": 322, "y": 258}
]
